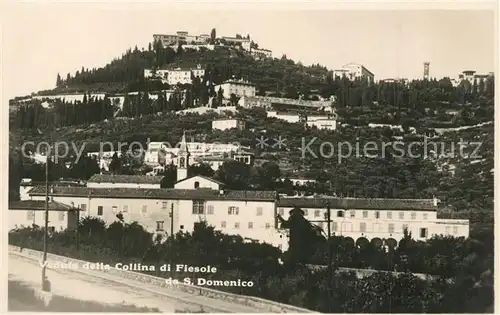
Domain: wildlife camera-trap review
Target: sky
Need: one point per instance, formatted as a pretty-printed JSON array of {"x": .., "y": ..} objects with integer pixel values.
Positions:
[{"x": 41, "y": 40}]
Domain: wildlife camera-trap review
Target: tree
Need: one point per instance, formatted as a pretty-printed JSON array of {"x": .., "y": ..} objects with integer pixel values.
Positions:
[
  {"x": 233, "y": 99},
  {"x": 235, "y": 174},
  {"x": 59, "y": 81},
  {"x": 303, "y": 236},
  {"x": 115, "y": 164},
  {"x": 201, "y": 169},
  {"x": 212, "y": 36}
]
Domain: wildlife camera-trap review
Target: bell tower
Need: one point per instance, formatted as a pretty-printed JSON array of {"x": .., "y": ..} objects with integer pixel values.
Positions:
[{"x": 182, "y": 159}]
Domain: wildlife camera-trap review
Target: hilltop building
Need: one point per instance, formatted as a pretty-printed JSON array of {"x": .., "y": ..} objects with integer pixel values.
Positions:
[
  {"x": 354, "y": 71},
  {"x": 176, "y": 75},
  {"x": 328, "y": 121},
  {"x": 228, "y": 123},
  {"x": 181, "y": 37},
  {"x": 471, "y": 76},
  {"x": 237, "y": 87},
  {"x": 244, "y": 42},
  {"x": 261, "y": 53},
  {"x": 162, "y": 153}
]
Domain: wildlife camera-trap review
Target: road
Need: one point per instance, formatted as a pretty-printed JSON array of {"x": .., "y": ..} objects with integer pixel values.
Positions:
[{"x": 74, "y": 284}]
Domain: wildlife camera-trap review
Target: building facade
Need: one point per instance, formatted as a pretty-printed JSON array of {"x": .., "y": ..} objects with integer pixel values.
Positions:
[
  {"x": 71, "y": 98},
  {"x": 250, "y": 214},
  {"x": 181, "y": 37},
  {"x": 27, "y": 213},
  {"x": 270, "y": 102},
  {"x": 253, "y": 214},
  {"x": 228, "y": 123},
  {"x": 239, "y": 88},
  {"x": 376, "y": 219},
  {"x": 328, "y": 122},
  {"x": 261, "y": 53},
  {"x": 175, "y": 76},
  {"x": 354, "y": 71}
]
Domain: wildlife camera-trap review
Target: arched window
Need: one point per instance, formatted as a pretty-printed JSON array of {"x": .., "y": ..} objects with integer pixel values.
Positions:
[{"x": 196, "y": 184}]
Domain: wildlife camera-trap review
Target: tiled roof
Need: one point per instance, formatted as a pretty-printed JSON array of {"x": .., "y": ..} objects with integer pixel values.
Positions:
[
  {"x": 38, "y": 205},
  {"x": 157, "y": 193},
  {"x": 204, "y": 177},
  {"x": 133, "y": 179},
  {"x": 359, "y": 203}
]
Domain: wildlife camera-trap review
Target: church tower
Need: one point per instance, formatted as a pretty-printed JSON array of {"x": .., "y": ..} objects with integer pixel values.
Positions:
[{"x": 182, "y": 159}]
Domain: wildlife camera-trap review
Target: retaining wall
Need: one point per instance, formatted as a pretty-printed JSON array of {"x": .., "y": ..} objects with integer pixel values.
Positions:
[{"x": 258, "y": 303}]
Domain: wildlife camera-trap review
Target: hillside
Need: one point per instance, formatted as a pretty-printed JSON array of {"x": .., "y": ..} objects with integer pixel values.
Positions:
[
  {"x": 426, "y": 106},
  {"x": 282, "y": 76}
]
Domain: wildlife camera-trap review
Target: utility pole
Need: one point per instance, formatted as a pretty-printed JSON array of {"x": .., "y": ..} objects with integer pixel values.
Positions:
[
  {"x": 171, "y": 240},
  {"x": 45, "y": 282},
  {"x": 78, "y": 230},
  {"x": 329, "y": 222}
]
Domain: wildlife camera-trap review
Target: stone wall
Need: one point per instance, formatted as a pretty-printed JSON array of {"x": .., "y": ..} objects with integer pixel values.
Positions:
[{"x": 260, "y": 304}]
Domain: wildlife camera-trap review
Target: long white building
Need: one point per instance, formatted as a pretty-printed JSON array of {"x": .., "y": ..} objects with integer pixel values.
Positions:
[{"x": 377, "y": 219}]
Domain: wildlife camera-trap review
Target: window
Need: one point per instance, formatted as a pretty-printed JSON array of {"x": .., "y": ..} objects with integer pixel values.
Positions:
[
  {"x": 305, "y": 212},
  {"x": 125, "y": 209},
  {"x": 401, "y": 215},
  {"x": 426, "y": 216},
  {"x": 316, "y": 213},
  {"x": 237, "y": 225},
  {"x": 391, "y": 227},
  {"x": 455, "y": 230},
  {"x": 198, "y": 207},
  {"x": 210, "y": 209},
  {"x": 413, "y": 215},
  {"x": 365, "y": 214},
  {"x": 281, "y": 211},
  {"x": 114, "y": 209},
  {"x": 61, "y": 216},
  {"x": 340, "y": 214},
  {"x": 164, "y": 205},
  {"x": 268, "y": 225},
  {"x": 362, "y": 227},
  {"x": 259, "y": 211},
  {"x": 31, "y": 215},
  {"x": 334, "y": 226},
  {"x": 389, "y": 215},
  {"x": 144, "y": 209},
  {"x": 223, "y": 224},
  {"x": 250, "y": 225},
  {"x": 159, "y": 226},
  {"x": 447, "y": 230},
  {"x": 423, "y": 232},
  {"x": 196, "y": 184},
  {"x": 353, "y": 213},
  {"x": 233, "y": 211},
  {"x": 377, "y": 214},
  {"x": 83, "y": 207},
  {"x": 99, "y": 210}
]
